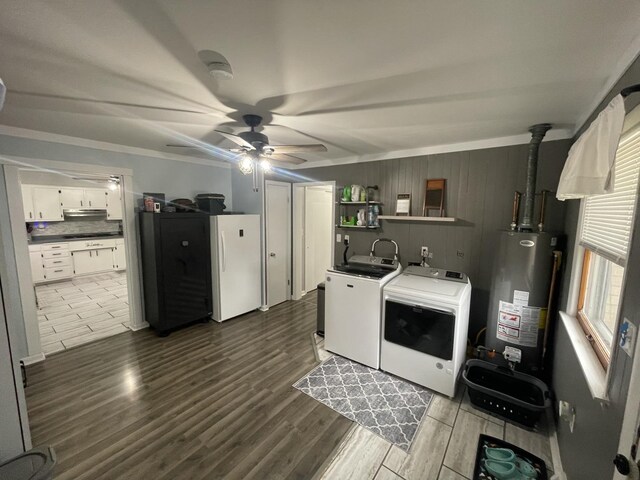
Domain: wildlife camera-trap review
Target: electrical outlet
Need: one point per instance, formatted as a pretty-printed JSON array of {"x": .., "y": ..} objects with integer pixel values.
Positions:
[
  {"x": 567, "y": 412},
  {"x": 346, "y": 238},
  {"x": 460, "y": 253},
  {"x": 338, "y": 238},
  {"x": 424, "y": 251}
]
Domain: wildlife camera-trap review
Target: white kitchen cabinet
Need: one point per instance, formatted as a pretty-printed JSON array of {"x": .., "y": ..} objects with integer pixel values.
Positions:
[
  {"x": 92, "y": 261},
  {"x": 114, "y": 204},
  {"x": 72, "y": 197},
  {"x": 27, "y": 203},
  {"x": 37, "y": 267},
  {"x": 95, "y": 197},
  {"x": 47, "y": 205},
  {"x": 119, "y": 257}
]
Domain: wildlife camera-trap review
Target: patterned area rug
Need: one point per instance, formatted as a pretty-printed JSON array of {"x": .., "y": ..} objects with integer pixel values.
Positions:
[{"x": 386, "y": 405}]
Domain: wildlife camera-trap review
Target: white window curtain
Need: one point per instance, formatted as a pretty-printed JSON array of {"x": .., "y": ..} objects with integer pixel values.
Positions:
[
  {"x": 608, "y": 219},
  {"x": 589, "y": 166}
]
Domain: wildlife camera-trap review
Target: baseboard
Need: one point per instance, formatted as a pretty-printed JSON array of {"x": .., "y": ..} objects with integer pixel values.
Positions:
[
  {"x": 558, "y": 471},
  {"x": 31, "y": 359},
  {"x": 139, "y": 327}
]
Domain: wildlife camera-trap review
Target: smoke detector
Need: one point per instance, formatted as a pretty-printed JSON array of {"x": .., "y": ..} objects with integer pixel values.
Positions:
[{"x": 220, "y": 70}]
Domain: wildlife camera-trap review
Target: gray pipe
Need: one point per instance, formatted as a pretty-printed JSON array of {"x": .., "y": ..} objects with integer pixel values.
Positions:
[{"x": 537, "y": 134}]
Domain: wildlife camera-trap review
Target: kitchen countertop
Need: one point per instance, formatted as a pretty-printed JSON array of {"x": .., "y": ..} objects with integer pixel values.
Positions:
[{"x": 62, "y": 239}]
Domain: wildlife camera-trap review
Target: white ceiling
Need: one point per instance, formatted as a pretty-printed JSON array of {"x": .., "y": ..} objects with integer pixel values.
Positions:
[{"x": 365, "y": 77}]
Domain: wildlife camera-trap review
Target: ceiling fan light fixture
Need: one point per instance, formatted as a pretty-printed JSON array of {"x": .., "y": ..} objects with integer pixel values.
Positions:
[
  {"x": 220, "y": 70},
  {"x": 246, "y": 165},
  {"x": 265, "y": 165}
]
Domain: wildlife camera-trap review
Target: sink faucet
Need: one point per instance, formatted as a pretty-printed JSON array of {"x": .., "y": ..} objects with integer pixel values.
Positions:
[{"x": 388, "y": 240}]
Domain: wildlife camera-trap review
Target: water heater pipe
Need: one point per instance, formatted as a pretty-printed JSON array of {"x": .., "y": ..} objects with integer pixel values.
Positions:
[
  {"x": 516, "y": 210},
  {"x": 537, "y": 134},
  {"x": 557, "y": 260},
  {"x": 543, "y": 206}
]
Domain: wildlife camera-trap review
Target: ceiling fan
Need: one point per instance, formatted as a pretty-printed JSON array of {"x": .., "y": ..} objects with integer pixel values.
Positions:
[{"x": 254, "y": 146}]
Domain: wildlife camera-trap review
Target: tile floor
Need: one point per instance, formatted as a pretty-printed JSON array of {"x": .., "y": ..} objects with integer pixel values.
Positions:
[
  {"x": 444, "y": 447},
  {"x": 81, "y": 310}
]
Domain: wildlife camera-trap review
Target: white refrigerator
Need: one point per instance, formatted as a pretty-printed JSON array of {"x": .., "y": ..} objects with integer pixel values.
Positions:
[{"x": 235, "y": 262}]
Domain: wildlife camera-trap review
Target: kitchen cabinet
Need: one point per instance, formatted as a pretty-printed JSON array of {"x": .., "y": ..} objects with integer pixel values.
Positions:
[
  {"x": 92, "y": 261},
  {"x": 47, "y": 205},
  {"x": 95, "y": 197},
  {"x": 37, "y": 267},
  {"x": 119, "y": 256},
  {"x": 72, "y": 197},
  {"x": 27, "y": 203},
  {"x": 176, "y": 266},
  {"x": 114, "y": 204},
  {"x": 50, "y": 262}
]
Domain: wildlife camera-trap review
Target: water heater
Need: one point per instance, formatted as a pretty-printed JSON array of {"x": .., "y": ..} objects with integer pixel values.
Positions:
[{"x": 521, "y": 289}]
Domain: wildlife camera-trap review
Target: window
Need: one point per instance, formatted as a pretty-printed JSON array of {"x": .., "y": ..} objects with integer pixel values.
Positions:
[{"x": 605, "y": 233}]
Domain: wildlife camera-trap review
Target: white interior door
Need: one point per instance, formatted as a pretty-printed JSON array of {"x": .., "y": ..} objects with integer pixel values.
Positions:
[
  {"x": 278, "y": 236},
  {"x": 318, "y": 235}
]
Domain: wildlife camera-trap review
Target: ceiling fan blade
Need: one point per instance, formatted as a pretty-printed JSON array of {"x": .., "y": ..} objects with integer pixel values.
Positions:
[
  {"x": 281, "y": 157},
  {"x": 236, "y": 139},
  {"x": 285, "y": 149}
]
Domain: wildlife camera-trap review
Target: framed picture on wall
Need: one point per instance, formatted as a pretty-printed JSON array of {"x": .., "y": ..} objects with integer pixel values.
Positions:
[
  {"x": 434, "y": 198},
  {"x": 403, "y": 204}
]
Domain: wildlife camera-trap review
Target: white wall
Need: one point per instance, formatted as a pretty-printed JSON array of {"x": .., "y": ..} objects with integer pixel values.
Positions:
[{"x": 176, "y": 179}]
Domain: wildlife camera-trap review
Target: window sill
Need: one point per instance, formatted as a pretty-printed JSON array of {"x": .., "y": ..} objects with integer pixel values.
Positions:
[{"x": 594, "y": 374}]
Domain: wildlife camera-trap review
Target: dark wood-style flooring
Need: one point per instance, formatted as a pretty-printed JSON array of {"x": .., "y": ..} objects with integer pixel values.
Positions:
[{"x": 209, "y": 401}]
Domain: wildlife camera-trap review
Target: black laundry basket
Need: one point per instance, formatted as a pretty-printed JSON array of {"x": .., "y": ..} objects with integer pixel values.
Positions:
[
  {"x": 515, "y": 396},
  {"x": 36, "y": 464}
]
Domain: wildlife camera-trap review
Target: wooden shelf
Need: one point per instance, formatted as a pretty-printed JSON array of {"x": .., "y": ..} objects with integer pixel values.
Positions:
[
  {"x": 410, "y": 218},
  {"x": 373, "y": 227}
]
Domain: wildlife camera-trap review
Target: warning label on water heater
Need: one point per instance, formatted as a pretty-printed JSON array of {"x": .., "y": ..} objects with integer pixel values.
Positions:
[{"x": 518, "y": 324}]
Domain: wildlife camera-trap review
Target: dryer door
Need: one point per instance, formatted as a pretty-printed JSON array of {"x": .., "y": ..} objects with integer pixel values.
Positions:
[{"x": 428, "y": 330}]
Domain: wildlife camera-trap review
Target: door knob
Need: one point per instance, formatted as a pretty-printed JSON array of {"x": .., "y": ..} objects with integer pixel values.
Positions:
[
  {"x": 622, "y": 464},
  {"x": 272, "y": 254}
]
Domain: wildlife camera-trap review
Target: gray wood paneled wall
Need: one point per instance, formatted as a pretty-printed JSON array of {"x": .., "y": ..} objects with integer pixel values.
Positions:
[
  {"x": 581, "y": 456},
  {"x": 479, "y": 192}
]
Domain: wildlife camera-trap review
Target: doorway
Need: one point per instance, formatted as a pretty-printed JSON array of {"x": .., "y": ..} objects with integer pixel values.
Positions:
[
  {"x": 77, "y": 256},
  {"x": 314, "y": 227},
  {"x": 278, "y": 241},
  {"x": 123, "y": 258}
]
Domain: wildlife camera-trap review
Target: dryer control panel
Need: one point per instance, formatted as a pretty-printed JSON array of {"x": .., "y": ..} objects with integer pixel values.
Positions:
[{"x": 441, "y": 273}]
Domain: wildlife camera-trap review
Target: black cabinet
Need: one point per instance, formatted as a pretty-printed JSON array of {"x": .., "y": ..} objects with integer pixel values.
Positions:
[{"x": 176, "y": 268}]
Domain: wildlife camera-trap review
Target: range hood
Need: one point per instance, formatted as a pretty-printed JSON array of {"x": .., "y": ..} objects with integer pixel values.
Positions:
[{"x": 86, "y": 213}]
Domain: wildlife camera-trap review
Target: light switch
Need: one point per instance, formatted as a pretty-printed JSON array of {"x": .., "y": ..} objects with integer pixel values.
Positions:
[{"x": 338, "y": 238}]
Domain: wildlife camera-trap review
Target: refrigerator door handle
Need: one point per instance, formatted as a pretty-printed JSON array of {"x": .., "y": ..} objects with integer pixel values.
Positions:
[{"x": 224, "y": 253}]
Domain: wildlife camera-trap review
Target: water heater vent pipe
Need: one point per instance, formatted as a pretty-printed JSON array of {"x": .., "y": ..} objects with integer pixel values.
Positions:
[{"x": 537, "y": 134}]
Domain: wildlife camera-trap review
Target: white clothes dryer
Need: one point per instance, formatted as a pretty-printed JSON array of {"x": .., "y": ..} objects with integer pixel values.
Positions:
[{"x": 425, "y": 321}]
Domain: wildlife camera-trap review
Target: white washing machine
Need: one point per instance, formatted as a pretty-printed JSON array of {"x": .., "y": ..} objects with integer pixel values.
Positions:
[
  {"x": 353, "y": 305},
  {"x": 425, "y": 322}
]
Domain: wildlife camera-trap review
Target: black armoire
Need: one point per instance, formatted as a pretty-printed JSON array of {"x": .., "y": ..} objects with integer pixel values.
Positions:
[{"x": 176, "y": 268}]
